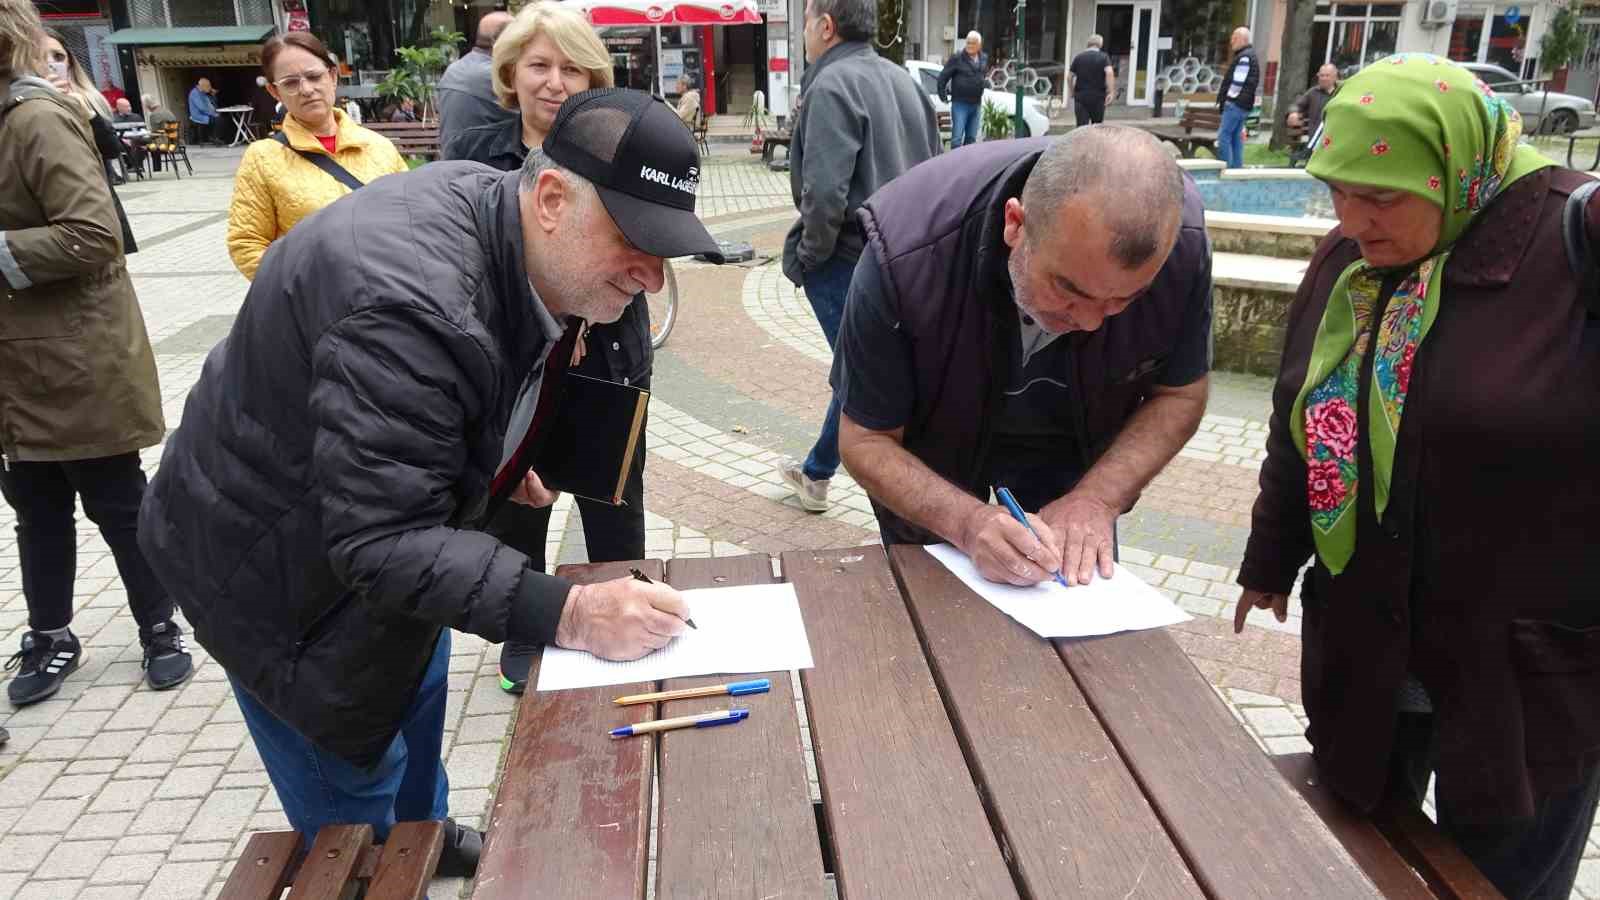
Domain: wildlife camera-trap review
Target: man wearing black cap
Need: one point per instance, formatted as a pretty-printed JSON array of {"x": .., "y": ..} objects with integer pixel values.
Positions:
[{"x": 381, "y": 393}]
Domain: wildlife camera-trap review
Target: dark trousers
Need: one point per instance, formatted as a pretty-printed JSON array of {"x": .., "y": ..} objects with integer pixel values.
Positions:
[
  {"x": 611, "y": 533},
  {"x": 1528, "y": 859},
  {"x": 42, "y": 495},
  {"x": 1090, "y": 109}
]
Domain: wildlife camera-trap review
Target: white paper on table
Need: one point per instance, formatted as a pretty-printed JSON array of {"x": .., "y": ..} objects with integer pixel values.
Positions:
[
  {"x": 753, "y": 628},
  {"x": 1103, "y": 606}
]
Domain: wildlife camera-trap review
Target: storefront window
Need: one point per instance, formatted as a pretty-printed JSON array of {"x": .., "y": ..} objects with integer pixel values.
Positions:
[
  {"x": 1353, "y": 35},
  {"x": 632, "y": 63},
  {"x": 1486, "y": 35}
]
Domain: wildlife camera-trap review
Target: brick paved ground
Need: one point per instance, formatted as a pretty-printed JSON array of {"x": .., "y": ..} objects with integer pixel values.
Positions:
[{"x": 111, "y": 791}]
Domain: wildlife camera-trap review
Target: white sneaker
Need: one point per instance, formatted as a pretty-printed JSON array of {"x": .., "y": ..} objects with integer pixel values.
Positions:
[{"x": 813, "y": 495}]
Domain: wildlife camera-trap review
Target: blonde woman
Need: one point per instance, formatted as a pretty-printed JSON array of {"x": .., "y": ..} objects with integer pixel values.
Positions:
[
  {"x": 545, "y": 55},
  {"x": 320, "y": 156}
]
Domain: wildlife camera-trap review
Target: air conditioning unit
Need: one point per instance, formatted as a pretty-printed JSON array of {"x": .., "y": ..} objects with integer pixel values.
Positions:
[{"x": 1438, "y": 13}]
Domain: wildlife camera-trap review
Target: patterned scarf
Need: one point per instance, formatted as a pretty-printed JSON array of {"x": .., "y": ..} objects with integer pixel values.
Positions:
[{"x": 1420, "y": 124}]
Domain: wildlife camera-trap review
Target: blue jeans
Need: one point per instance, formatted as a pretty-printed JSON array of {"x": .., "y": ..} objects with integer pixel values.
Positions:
[
  {"x": 1230, "y": 137},
  {"x": 964, "y": 119},
  {"x": 827, "y": 286},
  {"x": 316, "y": 788}
]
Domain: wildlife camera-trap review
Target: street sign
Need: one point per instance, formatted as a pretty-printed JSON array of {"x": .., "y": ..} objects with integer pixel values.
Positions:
[{"x": 1512, "y": 14}]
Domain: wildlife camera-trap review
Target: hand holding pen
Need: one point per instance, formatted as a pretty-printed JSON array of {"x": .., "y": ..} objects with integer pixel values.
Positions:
[
  {"x": 1008, "y": 550},
  {"x": 621, "y": 619}
]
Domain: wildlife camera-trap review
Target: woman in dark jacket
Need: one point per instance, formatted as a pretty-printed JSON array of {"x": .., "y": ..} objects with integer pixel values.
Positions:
[
  {"x": 545, "y": 55},
  {"x": 1435, "y": 428},
  {"x": 68, "y": 77},
  {"x": 78, "y": 392}
]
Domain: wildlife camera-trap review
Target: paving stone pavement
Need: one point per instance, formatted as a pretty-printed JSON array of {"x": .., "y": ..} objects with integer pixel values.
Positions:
[{"x": 109, "y": 790}]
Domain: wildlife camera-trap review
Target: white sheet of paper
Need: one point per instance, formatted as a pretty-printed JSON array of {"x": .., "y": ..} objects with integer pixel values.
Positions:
[
  {"x": 754, "y": 628},
  {"x": 1103, "y": 606}
]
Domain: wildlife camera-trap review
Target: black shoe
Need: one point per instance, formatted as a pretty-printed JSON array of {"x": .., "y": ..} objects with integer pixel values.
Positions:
[
  {"x": 515, "y": 661},
  {"x": 166, "y": 663},
  {"x": 462, "y": 847},
  {"x": 41, "y": 665}
]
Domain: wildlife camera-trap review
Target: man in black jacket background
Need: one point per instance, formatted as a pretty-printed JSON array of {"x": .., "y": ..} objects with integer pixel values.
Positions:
[
  {"x": 1237, "y": 98},
  {"x": 380, "y": 395},
  {"x": 961, "y": 85}
]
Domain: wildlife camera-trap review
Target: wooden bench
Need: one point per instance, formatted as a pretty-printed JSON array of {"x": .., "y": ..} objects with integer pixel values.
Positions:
[
  {"x": 772, "y": 140},
  {"x": 341, "y": 864},
  {"x": 1403, "y": 853},
  {"x": 1198, "y": 128},
  {"x": 1572, "y": 143},
  {"x": 957, "y": 755},
  {"x": 410, "y": 138}
]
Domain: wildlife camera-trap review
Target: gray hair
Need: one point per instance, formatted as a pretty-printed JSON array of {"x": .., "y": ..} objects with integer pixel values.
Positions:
[
  {"x": 538, "y": 163},
  {"x": 148, "y": 101},
  {"x": 1096, "y": 40},
  {"x": 1243, "y": 32},
  {"x": 1137, "y": 188},
  {"x": 974, "y": 36},
  {"x": 854, "y": 20}
]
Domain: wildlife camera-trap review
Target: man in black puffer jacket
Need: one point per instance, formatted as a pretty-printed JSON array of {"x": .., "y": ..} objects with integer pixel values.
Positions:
[
  {"x": 381, "y": 393},
  {"x": 961, "y": 84}
]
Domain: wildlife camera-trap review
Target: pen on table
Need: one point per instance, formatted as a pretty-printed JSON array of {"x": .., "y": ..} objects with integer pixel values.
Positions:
[
  {"x": 732, "y": 689},
  {"x": 1016, "y": 513},
  {"x": 703, "y": 720},
  {"x": 640, "y": 576}
]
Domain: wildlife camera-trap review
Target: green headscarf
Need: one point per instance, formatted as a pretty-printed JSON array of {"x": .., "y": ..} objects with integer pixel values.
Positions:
[{"x": 1420, "y": 124}]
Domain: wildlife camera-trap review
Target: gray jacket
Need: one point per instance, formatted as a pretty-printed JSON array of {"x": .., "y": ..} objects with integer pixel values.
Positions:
[
  {"x": 872, "y": 123},
  {"x": 466, "y": 96}
]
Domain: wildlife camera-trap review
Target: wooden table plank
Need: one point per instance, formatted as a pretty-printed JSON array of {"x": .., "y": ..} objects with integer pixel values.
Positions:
[
  {"x": 1061, "y": 797},
  {"x": 1440, "y": 862},
  {"x": 735, "y": 818},
  {"x": 571, "y": 817},
  {"x": 1359, "y": 835},
  {"x": 902, "y": 811},
  {"x": 409, "y": 858},
  {"x": 1243, "y": 829}
]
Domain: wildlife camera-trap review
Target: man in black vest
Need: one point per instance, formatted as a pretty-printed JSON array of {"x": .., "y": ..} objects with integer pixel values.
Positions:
[
  {"x": 1237, "y": 98},
  {"x": 1033, "y": 315}
]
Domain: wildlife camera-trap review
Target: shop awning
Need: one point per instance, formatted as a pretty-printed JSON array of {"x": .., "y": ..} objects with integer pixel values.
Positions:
[
  {"x": 203, "y": 36},
  {"x": 604, "y": 13}
]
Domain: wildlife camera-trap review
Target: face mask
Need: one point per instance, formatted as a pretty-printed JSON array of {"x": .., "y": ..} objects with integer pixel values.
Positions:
[{"x": 58, "y": 69}]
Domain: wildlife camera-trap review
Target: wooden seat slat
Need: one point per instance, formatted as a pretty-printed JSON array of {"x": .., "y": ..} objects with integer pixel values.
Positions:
[
  {"x": 263, "y": 870},
  {"x": 735, "y": 810},
  {"x": 407, "y": 861},
  {"x": 1074, "y": 820},
  {"x": 902, "y": 813},
  {"x": 1245, "y": 832},
  {"x": 334, "y": 859},
  {"x": 571, "y": 817}
]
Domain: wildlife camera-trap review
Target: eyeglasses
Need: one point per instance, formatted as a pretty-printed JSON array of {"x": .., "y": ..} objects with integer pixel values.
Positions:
[{"x": 295, "y": 84}]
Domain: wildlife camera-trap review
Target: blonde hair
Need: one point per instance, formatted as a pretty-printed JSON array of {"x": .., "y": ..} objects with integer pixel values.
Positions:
[
  {"x": 20, "y": 31},
  {"x": 570, "y": 32},
  {"x": 83, "y": 90}
]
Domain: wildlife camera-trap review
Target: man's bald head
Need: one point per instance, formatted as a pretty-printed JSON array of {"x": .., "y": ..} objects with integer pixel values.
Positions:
[
  {"x": 489, "y": 28},
  {"x": 1241, "y": 38},
  {"x": 1125, "y": 174}
]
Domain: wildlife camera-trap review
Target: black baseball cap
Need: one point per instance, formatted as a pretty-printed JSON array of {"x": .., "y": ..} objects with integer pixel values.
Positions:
[{"x": 642, "y": 161}]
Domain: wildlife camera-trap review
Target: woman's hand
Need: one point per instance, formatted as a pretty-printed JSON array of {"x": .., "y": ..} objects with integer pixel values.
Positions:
[
  {"x": 532, "y": 492},
  {"x": 1259, "y": 600}
]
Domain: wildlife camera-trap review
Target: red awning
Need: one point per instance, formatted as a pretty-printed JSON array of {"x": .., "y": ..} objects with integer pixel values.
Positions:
[{"x": 604, "y": 13}]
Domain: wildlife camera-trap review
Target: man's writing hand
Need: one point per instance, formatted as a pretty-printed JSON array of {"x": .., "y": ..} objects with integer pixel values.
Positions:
[
  {"x": 621, "y": 619},
  {"x": 1085, "y": 526},
  {"x": 1005, "y": 552}
]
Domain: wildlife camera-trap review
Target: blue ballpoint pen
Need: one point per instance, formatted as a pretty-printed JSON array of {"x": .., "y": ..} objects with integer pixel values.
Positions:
[
  {"x": 1016, "y": 513},
  {"x": 703, "y": 720}
]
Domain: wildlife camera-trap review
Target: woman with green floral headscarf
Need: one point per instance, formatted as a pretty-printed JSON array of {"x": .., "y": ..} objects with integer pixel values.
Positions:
[{"x": 1433, "y": 452}]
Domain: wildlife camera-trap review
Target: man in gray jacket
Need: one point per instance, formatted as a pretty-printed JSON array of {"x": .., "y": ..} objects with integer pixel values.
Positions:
[
  {"x": 872, "y": 123},
  {"x": 466, "y": 96}
]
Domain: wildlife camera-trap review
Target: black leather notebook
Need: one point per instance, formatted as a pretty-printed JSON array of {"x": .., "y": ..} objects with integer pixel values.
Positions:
[{"x": 590, "y": 446}]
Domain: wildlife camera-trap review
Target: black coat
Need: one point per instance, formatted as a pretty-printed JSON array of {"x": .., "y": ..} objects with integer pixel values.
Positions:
[
  {"x": 315, "y": 513},
  {"x": 617, "y": 351},
  {"x": 962, "y": 79}
]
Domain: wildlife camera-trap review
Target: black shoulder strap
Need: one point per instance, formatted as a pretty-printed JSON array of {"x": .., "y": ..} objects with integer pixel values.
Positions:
[
  {"x": 1580, "y": 253},
  {"x": 325, "y": 163}
]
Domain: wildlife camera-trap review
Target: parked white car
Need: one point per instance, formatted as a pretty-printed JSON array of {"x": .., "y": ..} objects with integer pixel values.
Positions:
[
  {"x": 927, "y": 77},
  {"x": 1563, "y": 113}
]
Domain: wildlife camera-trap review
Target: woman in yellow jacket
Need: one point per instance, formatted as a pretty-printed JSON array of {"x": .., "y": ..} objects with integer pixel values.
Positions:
[{"x": 278, "y": 184}]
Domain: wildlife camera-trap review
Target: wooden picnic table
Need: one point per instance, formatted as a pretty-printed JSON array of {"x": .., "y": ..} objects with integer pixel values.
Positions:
[{"x": 958, "y": 755}]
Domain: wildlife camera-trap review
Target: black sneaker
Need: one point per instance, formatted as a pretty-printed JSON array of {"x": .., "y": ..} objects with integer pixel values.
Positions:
[
  {"x": 166, "y": 663},
  {"x": 41, "y": 665},
  {"x": 462, "y": 847},
  {"x": 515, "y": 661}
]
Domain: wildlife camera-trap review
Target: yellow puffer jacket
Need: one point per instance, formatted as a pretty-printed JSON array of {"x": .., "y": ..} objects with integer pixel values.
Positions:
[{"x": 277, "y": 187}]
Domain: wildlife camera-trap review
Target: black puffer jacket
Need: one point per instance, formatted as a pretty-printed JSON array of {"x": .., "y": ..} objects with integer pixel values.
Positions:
[{"x": 312, "y": 513}]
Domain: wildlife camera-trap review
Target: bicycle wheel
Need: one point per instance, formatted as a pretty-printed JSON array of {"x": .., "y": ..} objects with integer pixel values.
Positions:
[{"x": 663, "y": 306}]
